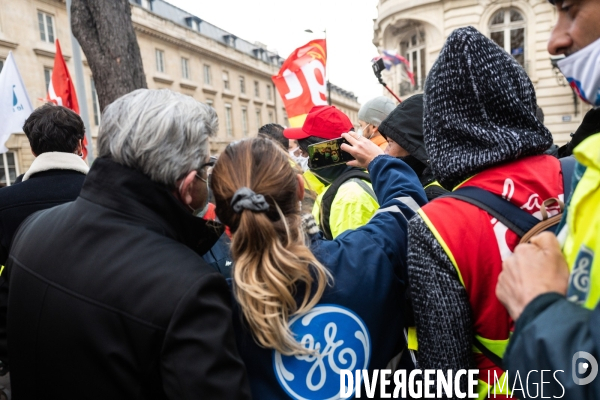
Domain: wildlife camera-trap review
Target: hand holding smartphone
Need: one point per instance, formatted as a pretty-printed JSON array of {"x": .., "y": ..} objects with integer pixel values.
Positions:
[{"x": 361, "y": 148}]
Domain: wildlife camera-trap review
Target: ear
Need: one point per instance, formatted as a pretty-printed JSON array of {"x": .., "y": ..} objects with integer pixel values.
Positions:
[
  {"x": 33, "y": 152},
  {"x": 300, "y": 187},
  {"x": 79, "y": 148},
  {"x": 185, "y": 188},
  {"x": 375, "y": 129}
]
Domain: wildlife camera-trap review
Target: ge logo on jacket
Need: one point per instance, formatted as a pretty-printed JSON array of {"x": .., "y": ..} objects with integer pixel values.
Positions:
[{"x": 340, "y": 340}]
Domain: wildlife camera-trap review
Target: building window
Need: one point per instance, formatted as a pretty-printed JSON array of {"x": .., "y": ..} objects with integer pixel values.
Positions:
[
  {"x": 160, "y": 60},
  {"x": 245, "y": 121},
  {"x": 193, "y": 23},
  {"x": 147, "y": 4},
  {"x": 228, "y": 120},
  {"x": 207, "y": 75},
  {"x": 230, "y": 40},
  {"x": 9, "y": 171},
  {"x": 507, "y": 29},
  {"x": 47, "y": 77},
  {"x": 269, "y": 92},
  {"x": 95, "y": 103},
  {"x": 210, "y": 102},
  {"x": 185, "y": 68},
  {"x": 286, "y": 121},
  {"x": 226, "y": 80},
  {"x": 258, "y": 119},
  {"x": 242, "y": 85},
  {"x": 46, "y": 25},
  {"x": 271, "y": 117},
  {"x": 413, "y": 46},
  {"x": 256, "y": 89}
]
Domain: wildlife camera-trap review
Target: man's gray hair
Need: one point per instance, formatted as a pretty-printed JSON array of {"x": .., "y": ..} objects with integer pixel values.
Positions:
[{"x": 160, "y": 133}]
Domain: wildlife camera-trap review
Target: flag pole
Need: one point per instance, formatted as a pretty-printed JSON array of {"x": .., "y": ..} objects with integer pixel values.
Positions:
[
  {"x": 328, "y": 83},
  {"x": 83, "y": 110}
]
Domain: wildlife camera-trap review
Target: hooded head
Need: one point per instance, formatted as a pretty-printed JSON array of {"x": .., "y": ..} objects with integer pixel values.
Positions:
[
  {"x": 404, "y": 126},
  {"x": 479, "y": 109}
]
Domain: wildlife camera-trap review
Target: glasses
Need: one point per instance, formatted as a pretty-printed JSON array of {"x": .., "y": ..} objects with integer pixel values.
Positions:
[{"x": 208, "y": 165}]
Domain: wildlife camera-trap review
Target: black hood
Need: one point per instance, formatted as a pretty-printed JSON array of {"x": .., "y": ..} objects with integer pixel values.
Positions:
[{"x": 404, "y": 126}]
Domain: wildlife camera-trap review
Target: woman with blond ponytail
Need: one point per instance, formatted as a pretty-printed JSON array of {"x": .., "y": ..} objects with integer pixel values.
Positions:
[{"x": 306, "y": 308}]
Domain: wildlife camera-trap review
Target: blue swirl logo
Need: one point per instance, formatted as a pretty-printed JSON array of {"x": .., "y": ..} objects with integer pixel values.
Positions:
[{"x": 338, "y": 339}]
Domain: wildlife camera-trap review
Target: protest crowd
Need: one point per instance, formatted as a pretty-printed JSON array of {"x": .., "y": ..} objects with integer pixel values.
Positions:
[{"x": 458, "y": 238}]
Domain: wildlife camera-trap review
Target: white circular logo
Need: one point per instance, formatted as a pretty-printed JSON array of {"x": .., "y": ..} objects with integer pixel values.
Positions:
[{"x": 341, "y": 341}]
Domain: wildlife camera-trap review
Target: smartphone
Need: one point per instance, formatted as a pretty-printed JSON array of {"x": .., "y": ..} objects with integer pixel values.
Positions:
[
  {"x": 378, "y": 66},
  {"x": 327, "y": 154}
]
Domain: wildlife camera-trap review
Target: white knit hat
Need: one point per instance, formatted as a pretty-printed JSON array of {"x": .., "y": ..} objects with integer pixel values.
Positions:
[{"x": 376, "y": 110}]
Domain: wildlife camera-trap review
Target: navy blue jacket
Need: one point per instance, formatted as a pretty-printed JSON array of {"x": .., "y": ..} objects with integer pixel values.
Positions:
[
  {"x": 358, "y": 321},
  {"x": 555, "y": 334}
]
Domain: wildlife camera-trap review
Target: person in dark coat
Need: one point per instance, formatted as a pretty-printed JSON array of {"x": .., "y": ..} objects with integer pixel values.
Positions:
[
  {"x": 403, "y": 130},
  {"x": 55, "y": 177},
  {"x": 109, "y": 296}
]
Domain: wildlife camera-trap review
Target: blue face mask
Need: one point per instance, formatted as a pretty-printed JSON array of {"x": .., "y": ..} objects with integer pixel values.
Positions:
[{"x": 582, "y": 70}]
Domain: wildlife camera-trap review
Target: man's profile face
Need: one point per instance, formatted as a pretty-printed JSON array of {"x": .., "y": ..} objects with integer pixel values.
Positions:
[{"x": 578, "y": 26}]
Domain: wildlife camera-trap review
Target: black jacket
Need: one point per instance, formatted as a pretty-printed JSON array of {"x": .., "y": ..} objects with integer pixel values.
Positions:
[
  {"x": 41, "y": 191},
  {"x": 109, "y": 298},
  {"x": 589, "y": 126}
]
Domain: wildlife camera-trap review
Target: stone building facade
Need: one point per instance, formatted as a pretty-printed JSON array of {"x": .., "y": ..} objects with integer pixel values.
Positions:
[
  {"x": 417, "y": 29},
  {"x": 179, "y": 51}
]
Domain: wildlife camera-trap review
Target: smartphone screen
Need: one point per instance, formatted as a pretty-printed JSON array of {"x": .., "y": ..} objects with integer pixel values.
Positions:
[{"x": 327, "y": 154}]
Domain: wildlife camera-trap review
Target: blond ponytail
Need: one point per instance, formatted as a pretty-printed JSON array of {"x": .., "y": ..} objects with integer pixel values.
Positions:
[{"x": 272, "y": 263}]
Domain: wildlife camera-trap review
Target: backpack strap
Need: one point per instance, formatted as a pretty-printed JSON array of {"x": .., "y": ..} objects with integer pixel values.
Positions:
[
  {"x": 355, "y": 174},
  {"x": 486, "y": 352},
  {"x": 515, "y": 219},
  {"x": 567, "y": 165}
]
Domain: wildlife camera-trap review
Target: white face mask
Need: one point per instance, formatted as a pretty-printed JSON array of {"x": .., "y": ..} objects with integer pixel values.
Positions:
[
  {"x": 361, "y": 132},
  {"x": 582, "y": 70},
  {"x": 301, "y": 161},
  {"x": 201, "y": 212}
]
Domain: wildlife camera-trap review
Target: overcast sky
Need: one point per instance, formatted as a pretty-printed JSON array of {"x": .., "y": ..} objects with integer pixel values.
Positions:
[{"x": 280, "y": 24}]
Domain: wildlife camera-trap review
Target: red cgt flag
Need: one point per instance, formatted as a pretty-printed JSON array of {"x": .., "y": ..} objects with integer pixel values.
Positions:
[
  {"x": 61, "y": 90},
  {"x": 301, "y": 81}
]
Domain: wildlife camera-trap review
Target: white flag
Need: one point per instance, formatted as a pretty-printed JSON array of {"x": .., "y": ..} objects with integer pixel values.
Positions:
[{"x": 15, "y": 106}]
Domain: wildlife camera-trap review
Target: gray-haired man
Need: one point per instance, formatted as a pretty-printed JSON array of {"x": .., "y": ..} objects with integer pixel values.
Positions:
[{"x": 109, "y": 297}]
